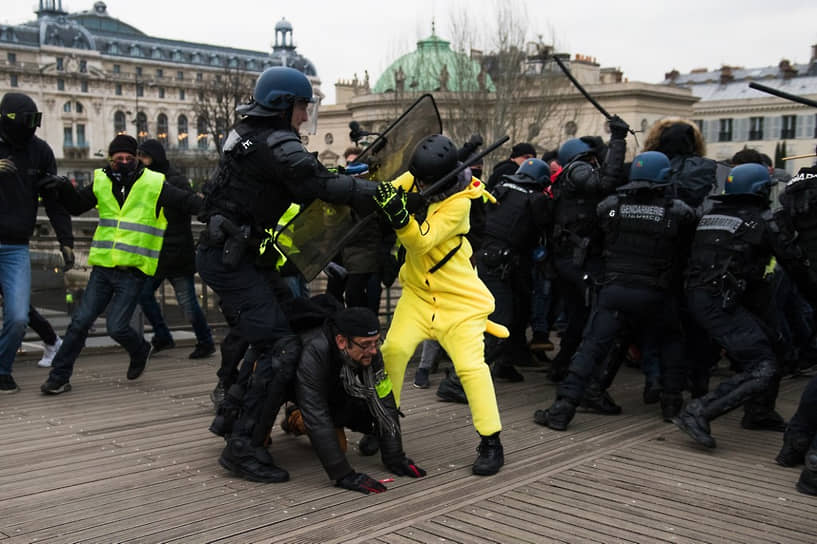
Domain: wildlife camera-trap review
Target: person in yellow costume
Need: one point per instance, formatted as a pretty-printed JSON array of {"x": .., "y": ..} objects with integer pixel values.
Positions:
[{"x": 443, "y": 298}]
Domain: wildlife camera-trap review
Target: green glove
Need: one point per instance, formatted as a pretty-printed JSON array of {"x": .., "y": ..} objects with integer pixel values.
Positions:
[{"x": 392, "y": 203}]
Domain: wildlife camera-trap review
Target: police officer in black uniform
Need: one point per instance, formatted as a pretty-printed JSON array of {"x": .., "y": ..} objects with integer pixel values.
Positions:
[
  {"x": 264, "y": 168},
  {"x": 512, "y": 230},
  {"x": 643, "y": 228},
  {"x": 728, "y": 294},
  {"x": 575, "y": 239}
]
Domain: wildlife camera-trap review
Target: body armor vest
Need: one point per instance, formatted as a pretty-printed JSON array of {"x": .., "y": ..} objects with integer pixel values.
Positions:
[{"x": 510, "y": 224}]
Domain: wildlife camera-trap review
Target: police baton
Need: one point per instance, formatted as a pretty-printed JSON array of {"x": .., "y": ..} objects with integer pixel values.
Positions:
[
  {"x": 442, "y": 182},
  {"x": 582, "y": 90},
  {"x": 782, "y": 94}
]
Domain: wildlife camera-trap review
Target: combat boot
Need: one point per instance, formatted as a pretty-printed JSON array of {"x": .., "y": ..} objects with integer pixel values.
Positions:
[
  {"x": 766, "y": 420},
  {"x": 808, "y": 478},
  {"x": 505, "y": 371},
  {"x": 599, "y": 402},
  {"x": 692, "y": 421},
  {"x": 671, "y": 404},
  {"x": 491, "y": 456},
  {"x": 793, "y": 452},
  {"x": 557, "y": 416},
  {"x": 253, "y": 463}
]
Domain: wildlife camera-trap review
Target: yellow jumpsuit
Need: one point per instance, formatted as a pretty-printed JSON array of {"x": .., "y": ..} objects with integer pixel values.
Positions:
[{"x": 450, "y": 305}]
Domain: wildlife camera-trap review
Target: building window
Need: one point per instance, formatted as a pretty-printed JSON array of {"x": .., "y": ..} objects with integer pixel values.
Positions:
[
  {"x": 66, "y": 108},
  {"x": 117, "y": 69},
  {"x": 119, "y": 123},
  {"x": 118, "y": 89},
  {"x": 12, "y": 58},
  {"x": 60, "y": 64},
  {"x": 161, "y": 92},
  {"x": 789, "y": 128},
  {"x": 138, "y": 70},
  {"x": 725, "y": 132},
  {"x": 141, "y": 127},
  {"x": 201, "y": 129},
  {"x": 182, "y": 131},
  {"x": 13, "y": 80},
  {"x": 83, "y": 86},
  {"x": 80, "y": 109},
  {"x": 161, "y": 129},
  {"x": 160, "y": 72},
  {"x": 81, "y": 136},
  {"x": 140, "y": 90},
  {"x": 83, "y": 66},
  {"x": 180, "y": 75},
  {"x": 570, "y": 128},
  {"x": 181, "y": 94},
  {"x": 198, "y": 76},
  {"x": 68, "y": 136},
  {"x": 60, "y": 84},
  {"x": 756, "y": 128}
]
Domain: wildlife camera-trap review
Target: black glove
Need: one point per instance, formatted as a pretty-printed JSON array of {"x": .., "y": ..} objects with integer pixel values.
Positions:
[
  {"x": 357, "y": 481},
  {"x": 52, "y": 181},
  {"x": 406, "y": 467},
  {"x": 392, "y": 203},
  {"x": 67, "y": 258},
  {"x": 618, "y": 128},
  {"x": 415, "y": 202},
  {"x": 7, "y": 166}
]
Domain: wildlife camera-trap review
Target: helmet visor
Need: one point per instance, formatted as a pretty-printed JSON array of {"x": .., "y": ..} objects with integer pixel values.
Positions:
[{"x": 312, "y": 108}]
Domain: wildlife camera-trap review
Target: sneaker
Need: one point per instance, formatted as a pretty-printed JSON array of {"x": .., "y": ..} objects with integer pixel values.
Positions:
[
  {"x": 506, "y": 372},
  {"x": 491, "y": 456},
  {"x": 48, "y": 353},
  {"x": 421, "y": 378},
  {"x": 203, "y": 350},
  {"x": 557, "y": 416},
  {"x": 138, "y": 363},
  {"x": 7, "y": 384},
  {"x": 55, "y": 386},
  {"x": 161, "y": 344},
  {"x": 450, "y": 389}
]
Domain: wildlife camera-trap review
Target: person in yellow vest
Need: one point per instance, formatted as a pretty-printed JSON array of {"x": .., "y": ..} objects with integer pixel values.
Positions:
[
  {"x": 443, "y": 298},
  {"x": 124, "y": 253}
]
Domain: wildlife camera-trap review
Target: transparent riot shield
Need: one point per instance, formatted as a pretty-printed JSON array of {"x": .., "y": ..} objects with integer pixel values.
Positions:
[{"x": 321, "y": 229}]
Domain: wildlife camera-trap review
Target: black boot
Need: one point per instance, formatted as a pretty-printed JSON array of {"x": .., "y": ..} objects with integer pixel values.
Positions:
[
  {"x": 808, "y": 478},
  {"x": 450, "y": 389},
  {"x": 692, "y": 421},
  {"x": 671, "y": 404},
  {"x": 599, "y": 402},
  {"x": 506, "y": 371},
  {"x": 557, "y": 416},
  {"x": 793, "y": 452},
  {"x": 227, "y": 411},
  {"x": 491, "y": 456},
  {"x": 766, "y": 420},
  {"x": 250, "y": 462}
]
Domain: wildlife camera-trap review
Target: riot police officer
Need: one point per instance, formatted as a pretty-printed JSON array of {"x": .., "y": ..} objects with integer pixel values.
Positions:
[
  {"x": 575, "y": 239},
  {"x": 728, "y": 295},
  {"x": 264, "y": 168},
  {"x": 512, "y": 231},
  {"x": 643, "y": 228}
]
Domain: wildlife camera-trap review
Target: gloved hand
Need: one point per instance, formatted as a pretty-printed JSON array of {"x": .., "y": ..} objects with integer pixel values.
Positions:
[
  {"x": 7, "y": 166},
  {"x": 406, "y": 467},
  {"x": 618, "y": 128},
  {"x": 475, "y": 141},
  {"x": 51, "y": 181},
  {"x": 335, "y": 271},
  {"x": 357, "y": 481},
  {"x": 415, "y": 202},
  {"x": 392, "y": 203},
  {"x": 67, "y": 258}
]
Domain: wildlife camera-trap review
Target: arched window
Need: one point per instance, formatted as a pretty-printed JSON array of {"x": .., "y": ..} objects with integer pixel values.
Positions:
[
  {"x": 66, "y": 108},
  {"x": 201, "y": 128},
  {"x": 141, "y": 127},
  {"x": 80, "y": 109},
  {"x": 161, "y": 129},
  {"x": 182, "y": 131},
  {"x": 119, "y": 124}
]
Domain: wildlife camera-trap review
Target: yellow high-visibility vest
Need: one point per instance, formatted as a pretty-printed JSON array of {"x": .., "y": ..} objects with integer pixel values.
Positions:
[{"x": 131, "y": 235}]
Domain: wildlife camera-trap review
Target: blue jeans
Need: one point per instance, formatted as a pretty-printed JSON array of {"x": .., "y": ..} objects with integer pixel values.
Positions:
[
  {"x": 185, "y": 289},
  {"x": 115, "y": 289},
  {"x": 15, "y": 280}
]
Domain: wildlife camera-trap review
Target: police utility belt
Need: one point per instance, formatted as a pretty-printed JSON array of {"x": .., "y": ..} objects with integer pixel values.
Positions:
[{"x": 234, "y": 239}]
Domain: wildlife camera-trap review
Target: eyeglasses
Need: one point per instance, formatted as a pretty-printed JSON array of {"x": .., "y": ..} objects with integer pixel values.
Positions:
[
  {"x": 29, "y": 119},
  {"x": 369, "y": 345}
]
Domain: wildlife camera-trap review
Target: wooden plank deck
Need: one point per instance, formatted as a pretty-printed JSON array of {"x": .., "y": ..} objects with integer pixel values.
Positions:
[{"x": 119, "y": 461}]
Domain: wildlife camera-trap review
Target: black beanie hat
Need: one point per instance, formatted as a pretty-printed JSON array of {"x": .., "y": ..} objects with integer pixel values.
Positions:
[
  {"x": 356, "y": 322},
  {"x": 122, "y": 143},
  {"x": 523, "y": 148}
]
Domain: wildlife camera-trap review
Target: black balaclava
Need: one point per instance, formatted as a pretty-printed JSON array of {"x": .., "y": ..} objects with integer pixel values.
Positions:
[{"x": 16, "y": 132}]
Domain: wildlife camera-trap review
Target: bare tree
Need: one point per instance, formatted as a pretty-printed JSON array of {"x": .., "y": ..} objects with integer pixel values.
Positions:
[{"x": 217, "y": 98}]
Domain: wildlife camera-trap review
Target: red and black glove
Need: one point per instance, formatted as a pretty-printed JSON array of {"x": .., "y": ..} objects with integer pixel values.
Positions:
[
  {"x": 406, "y": 467},
  {"x": 358, "y": 481}
]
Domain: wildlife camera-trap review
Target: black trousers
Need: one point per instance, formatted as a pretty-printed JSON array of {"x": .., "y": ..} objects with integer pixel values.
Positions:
[{"x": 650, "y": 311}]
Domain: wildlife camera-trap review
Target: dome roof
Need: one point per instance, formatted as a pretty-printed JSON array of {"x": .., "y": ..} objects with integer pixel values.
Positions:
[
  {"x": 283, "y": 50},
  {"x": 434, "y": 67}
]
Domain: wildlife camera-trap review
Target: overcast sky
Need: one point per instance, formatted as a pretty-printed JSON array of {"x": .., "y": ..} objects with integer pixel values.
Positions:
[{"x": 643, "y": 38}]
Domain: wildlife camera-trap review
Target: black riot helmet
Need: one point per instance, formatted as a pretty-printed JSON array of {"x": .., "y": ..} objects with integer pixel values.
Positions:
[
  {"x": 276, "y": 90},
  {"x": 434, "y": 157},
  {"x": 19, "y": 119}
]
